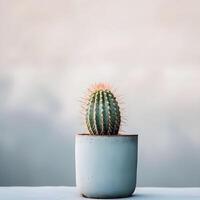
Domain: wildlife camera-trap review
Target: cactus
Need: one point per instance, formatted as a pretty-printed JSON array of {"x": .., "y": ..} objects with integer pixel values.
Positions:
[{"x": 102, "y": 111}]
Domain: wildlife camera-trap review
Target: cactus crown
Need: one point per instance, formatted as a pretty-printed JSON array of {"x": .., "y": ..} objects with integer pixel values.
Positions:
[{"x": 102, "y": 111}]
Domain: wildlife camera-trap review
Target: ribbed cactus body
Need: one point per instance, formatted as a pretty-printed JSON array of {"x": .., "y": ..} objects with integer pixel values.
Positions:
[{"x": 103, "y": 113}]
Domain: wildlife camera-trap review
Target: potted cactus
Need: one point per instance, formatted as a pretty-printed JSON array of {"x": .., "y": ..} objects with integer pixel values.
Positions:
[{"x": 106, "y": 161}]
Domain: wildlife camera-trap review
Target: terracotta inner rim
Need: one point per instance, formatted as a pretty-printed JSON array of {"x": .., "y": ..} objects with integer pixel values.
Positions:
[{"x": 119, "y": 135}]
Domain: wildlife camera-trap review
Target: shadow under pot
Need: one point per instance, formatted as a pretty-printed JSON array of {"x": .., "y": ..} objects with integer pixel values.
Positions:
[{"x": 106, "y": 165}]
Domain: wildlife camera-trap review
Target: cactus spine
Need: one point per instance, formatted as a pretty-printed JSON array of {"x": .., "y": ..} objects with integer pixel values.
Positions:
[{"x": 102, "y": 112}]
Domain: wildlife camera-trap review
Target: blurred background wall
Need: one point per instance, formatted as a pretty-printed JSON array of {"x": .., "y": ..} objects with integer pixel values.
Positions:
[{"x": 51, "y": 51}]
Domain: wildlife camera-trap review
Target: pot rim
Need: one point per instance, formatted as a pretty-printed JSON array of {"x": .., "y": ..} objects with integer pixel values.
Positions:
[{"x": 118, "y": 135}]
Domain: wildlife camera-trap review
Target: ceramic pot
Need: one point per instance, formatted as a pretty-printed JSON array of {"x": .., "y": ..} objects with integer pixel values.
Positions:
[{"x": 106, "y": 166}]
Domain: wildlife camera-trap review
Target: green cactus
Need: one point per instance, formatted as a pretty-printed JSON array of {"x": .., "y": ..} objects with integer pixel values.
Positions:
[{"x": 102, "y": 112}]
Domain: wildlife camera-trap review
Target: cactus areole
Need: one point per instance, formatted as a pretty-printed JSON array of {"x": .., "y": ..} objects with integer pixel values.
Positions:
[{"x": 102, "y": 111}]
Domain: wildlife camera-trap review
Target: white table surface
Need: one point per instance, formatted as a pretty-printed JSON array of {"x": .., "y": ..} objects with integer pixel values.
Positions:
[{"x": 70, "y": 193}]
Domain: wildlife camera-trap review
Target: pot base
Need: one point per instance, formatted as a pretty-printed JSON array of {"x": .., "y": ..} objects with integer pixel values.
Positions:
[{"x": 114, "y": 196}]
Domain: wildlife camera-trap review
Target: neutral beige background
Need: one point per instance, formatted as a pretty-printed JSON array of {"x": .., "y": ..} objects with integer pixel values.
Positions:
[{"x": 51, "y": 51}]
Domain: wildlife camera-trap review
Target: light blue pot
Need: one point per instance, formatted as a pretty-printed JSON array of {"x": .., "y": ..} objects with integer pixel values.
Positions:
[{"x": 106, "y": 166}]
